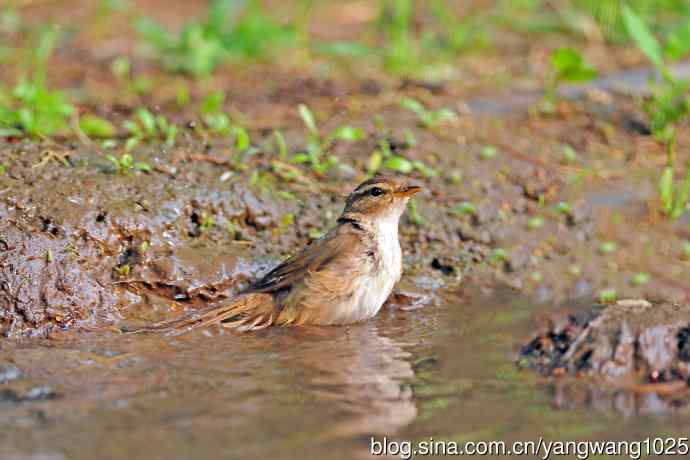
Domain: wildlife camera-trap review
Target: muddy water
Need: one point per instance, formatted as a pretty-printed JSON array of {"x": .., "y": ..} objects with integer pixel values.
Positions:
[{"x": 443, "y": 370}]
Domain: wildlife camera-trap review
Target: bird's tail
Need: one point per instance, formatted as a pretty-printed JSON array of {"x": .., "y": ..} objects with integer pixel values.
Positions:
[{"x": 250, "y": 312}]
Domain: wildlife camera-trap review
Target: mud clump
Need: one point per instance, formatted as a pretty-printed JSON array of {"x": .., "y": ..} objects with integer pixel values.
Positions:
[
  {"x": 631, "y": 344},
  {"x": 82, "y": 247}
]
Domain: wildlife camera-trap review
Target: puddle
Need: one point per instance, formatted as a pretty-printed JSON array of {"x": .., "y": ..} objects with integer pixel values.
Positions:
[
  {"x": 442, "y": 371},
  {"x": 634, "y": 81}
]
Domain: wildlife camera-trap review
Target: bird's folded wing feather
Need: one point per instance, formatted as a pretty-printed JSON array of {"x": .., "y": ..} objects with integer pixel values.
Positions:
[{"x": 336, "y": 254}]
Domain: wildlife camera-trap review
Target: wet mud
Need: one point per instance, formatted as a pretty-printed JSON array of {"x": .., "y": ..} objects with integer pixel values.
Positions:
[
  {"x": 82, "y": 245},
  {"x": 630, "y": 342}
]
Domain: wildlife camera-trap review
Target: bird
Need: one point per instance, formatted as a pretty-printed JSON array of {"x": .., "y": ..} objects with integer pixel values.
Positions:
[{"x": 344, "y": 277}]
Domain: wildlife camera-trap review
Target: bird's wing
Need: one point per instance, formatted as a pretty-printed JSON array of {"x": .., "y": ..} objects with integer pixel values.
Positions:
[{"x": 337, "y": 253}]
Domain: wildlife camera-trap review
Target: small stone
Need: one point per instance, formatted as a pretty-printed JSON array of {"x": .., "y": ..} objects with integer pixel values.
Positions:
[{"x": 639, "y": 303}]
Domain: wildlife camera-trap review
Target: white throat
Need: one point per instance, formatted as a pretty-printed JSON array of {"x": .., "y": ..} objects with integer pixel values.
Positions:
[{"x": 374, "y": 289}]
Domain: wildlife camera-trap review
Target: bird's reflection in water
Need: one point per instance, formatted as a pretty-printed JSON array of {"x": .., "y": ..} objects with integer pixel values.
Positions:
[{"x": 363, "y": 375}]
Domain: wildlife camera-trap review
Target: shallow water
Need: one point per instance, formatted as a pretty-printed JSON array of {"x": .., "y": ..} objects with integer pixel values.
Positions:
[{"x": 443, "y": 371}]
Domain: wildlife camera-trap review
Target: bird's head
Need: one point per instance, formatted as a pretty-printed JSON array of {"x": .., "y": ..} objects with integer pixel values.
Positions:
[{"x": 381, "y": 197}]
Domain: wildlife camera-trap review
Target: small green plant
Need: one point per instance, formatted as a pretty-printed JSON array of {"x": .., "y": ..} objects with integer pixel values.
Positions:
[
  {"x": 428, "y": 118},
  {"x": 608, "y": 247},
  {"x": 96, "y": 127},
  {"x": 498, "y": 256},
  {"x": 126, "y": 163},
  {"x": 30, "y": 108},
  {"x": 457, "y": 35},
  {"x": 145, "y": 126},
  {"x": 569, "y": 155},
  {"x": 667, "y": 108},
  {"x": 464, "y": 208},
  {"x": 401, "y": 51},
  {"x": 488, "y": 152},
  {"x": 207, "y": 222},
  {"x": 608, "y": 295},
  {"x": 384, "y": 158},
  {"x": 640, "y": 279},
  {"x": 231, "y": 29},
  {"x": 218, "y": 123},
  {"x": 316, "y": 154},
  {"x": 535, "y": 223},
  {"x": 567, "y": 66},
  {"x": 415, "y": 216}
]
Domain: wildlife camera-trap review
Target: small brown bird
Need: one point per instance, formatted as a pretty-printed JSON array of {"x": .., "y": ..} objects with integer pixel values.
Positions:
[{"x": 341, "y": 278}]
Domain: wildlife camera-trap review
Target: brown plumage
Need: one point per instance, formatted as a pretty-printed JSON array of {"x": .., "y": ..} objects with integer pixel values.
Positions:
[{"x": 341, "y": 278}]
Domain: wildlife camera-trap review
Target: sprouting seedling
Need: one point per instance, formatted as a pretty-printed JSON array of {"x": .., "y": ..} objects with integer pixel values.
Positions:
[
  {"x": 667, "y": 108},
  {"x": 230, "y": 29},
  {"x": 218, "y": 123},
  {"x": 282, "y": 145},
  {"x": 428, "y": 118},
  {"x": 567, "y": 66},
  {"x": 147, "y": 127},
  {"x": 126, "y": 163},
  {"x": 415, "y": 216},
  {"x": 215, "y": 120},
  {"x": 30, "y": 107},
  {"x": 207, "y": 222},
  {"x": 96, "y": 127},
  {"x": 384, "y": 158},
  {"x": 316, "y": 154},
  {"x": 464, "y": 208}
]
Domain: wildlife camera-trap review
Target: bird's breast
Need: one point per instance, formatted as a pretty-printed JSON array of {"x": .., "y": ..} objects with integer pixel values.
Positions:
[{"x": 372, "y": 287}]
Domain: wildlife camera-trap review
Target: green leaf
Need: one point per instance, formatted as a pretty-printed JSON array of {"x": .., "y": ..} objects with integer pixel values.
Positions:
[
  {"x": 666, "y": 189},
  {"x": 3, "y": 169},
  {"x": 94, "y": 126},
  {"x": 607, "y": 295},
  {"x": 608, "y": 247},
  {"x": 640, "y": 278},
  {"x": 399, "y": 164},
  {"x": 144, "y": 167},
  {"x": 424, "y": 169},
  {"x": 213, "y": 102},
  {"x": 300, "y": 158},
  {"x": 642, "y": 36},
  {"x": 242, "y": 141},
  {"x": 498, "y": 255},
  {"x": 678, "y": 42},
  {"x": 347, "y": 133},
  {"x": 375, "y": 162},
  {"x": 535, "y": 223},
  {"x": 131, "y": 143},
  {"x": 569, "y": 154},
  {"x": 464, "y": 208},
  {"x": 682, "y": 198},
  {"x": 413, "y": 105},
  {"x": 282, "y": 145},
  {"x": 308, "y": 118},
  {"x": 563, "y": 59},
  {"x": 570, "y": 66},
  {"x": 148, "y": 121},
  {"x": 488, "y": 152}
]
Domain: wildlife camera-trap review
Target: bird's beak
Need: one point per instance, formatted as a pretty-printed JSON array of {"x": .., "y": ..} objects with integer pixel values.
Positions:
[{"x": 407, "y": 190}]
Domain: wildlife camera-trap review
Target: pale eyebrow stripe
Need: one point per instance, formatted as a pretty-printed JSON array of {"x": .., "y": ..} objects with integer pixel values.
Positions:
[{"x": 370, "y": 186}]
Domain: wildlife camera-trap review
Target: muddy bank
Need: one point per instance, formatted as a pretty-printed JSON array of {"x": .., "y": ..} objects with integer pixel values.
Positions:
[
  {"x": 632, "y": 345},
  {"x": 80, "y": 244}
]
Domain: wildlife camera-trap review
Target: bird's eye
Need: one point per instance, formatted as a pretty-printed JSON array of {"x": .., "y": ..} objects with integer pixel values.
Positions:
[{"x": 376, "y": 191}]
